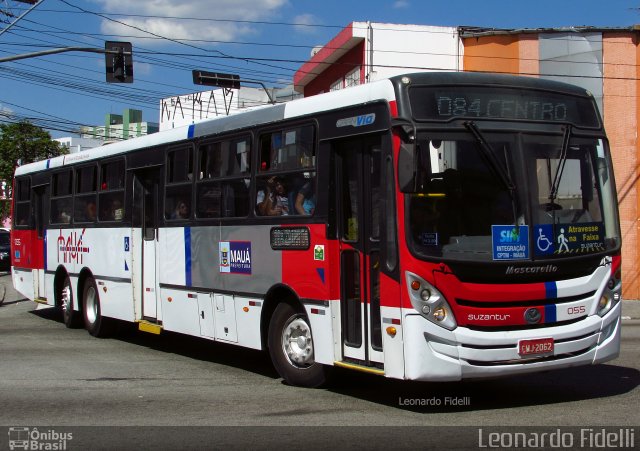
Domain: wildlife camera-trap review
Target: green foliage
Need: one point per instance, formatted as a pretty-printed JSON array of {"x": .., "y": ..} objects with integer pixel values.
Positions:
[{"x": 28, "y": 143}]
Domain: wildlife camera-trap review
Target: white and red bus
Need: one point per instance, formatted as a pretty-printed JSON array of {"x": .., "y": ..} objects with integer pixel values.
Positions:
[{"x": 433, "y": 226}]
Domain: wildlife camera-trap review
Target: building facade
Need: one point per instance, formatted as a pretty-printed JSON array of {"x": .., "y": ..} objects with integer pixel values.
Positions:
[
  {"x": 120, "y": 126},
  {"x": 74, "y": 144},
  {"x": 604, "y": 61}
]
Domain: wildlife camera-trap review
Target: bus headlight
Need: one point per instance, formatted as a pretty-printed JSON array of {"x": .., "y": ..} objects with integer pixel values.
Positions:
[
  {"x": 611, "y": 295},
  {"x": 429, "y": 302}
]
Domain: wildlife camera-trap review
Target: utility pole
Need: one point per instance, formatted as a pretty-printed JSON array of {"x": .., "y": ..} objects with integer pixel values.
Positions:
[{"x": 8, "y": 12}]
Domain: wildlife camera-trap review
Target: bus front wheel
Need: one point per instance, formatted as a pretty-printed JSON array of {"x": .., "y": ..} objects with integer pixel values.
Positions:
[
  {"x": 291, "y": 348},
  {"x": 94, "y": 322}
]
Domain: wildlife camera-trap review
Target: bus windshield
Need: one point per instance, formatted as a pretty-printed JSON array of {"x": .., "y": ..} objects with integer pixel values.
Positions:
[{"x": 562, "y": 201}]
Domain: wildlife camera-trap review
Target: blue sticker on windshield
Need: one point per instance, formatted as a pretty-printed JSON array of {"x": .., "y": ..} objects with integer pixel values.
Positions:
[
  {"x": 510, "y": 242},
  {"x": 569, "y": 238},
  {"x": 544, "y": 239}
]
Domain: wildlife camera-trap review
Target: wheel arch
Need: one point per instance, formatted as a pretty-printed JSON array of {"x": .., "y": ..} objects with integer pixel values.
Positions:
[{"x": 277, "y": 294}]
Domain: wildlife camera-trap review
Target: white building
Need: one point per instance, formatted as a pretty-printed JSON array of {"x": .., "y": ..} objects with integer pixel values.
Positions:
[
  {"x": 75, "y": 144},
  {"x": 364, "y": 51}
]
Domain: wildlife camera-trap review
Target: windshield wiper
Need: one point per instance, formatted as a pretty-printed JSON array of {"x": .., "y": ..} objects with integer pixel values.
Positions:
[
  {"x": 562, "y": 160},
  {"x": 490, "y": 156}
]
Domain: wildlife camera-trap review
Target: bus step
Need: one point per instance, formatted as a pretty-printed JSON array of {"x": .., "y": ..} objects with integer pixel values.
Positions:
[
  {"x": 40, "y": 300},
  {"x": 364, "y": 369},
  {"x": 146, "y": 326}
]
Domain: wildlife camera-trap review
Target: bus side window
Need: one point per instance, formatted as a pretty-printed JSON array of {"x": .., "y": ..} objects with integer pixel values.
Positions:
[
  {"x": 61, "y": 197},
  {"x": 177, "y": 205},
  {"x": 222, "y": 189},
  {"x": 22, "y": 210},
  {"x": 85, "y": 207},
  {"x": 111, "y": 196}
]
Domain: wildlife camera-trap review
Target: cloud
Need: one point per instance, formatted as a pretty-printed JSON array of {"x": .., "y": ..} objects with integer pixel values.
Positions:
[
  {"x": 400, "y": 4},
  {"x": 5, "y": 111},
  {"x": 303, "y": 21},
  {"x": 165, "y": 20}
]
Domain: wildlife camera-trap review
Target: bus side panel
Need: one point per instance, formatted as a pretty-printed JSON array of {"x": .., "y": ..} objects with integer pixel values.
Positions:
[
  {"x": 307, "y": 271},
  {"x": 173, "y": 268},
  {"x": 252, "y": 266},
  {"x": 106, "y": 253},
  {"x": 28, "y": 254},
  {"x": 27, "y": 250},
  {"x": 23, "y": 282}
]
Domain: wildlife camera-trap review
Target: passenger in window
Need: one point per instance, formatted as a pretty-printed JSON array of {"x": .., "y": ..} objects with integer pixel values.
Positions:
[
  {"x": 90, "y": 211},
  {"x": 273, "y": 201},
  {"x": 117, "y": 211},
  {"x": 64, "y": 217},
  {"x": 181, "y": 211},
  {"x": 306, "y": 200}
]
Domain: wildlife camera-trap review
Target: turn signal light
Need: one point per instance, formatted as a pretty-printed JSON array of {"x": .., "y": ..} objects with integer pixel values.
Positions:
[
  {"x": 391, "y": 331},
  {"x": 415, "y": 285}
]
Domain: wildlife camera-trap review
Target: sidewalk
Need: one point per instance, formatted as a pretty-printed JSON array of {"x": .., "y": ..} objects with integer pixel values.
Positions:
[{"x": 630, "y": 309}]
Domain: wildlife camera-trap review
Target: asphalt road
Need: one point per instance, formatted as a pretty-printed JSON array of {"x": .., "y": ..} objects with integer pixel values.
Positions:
[{"x": 53, "y": 376}]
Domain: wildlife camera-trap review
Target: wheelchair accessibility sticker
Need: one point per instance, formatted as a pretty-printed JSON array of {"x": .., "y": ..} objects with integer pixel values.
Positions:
[
  {"x": 568, "y": 238},
  {"x": 510, "y": 242}
]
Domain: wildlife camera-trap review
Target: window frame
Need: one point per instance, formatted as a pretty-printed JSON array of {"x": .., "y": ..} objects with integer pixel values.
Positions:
[
  {"x": 105, "y": 192},
  {"x": 182, "y": 184},
  {"x": 224, "y": 180}
]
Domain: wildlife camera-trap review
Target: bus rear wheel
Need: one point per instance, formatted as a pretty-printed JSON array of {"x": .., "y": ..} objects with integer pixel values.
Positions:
[
  {"x": 70, "y": 317},
  {"x": 291, "y": 348},
  {"x": 96, "y": 324}
]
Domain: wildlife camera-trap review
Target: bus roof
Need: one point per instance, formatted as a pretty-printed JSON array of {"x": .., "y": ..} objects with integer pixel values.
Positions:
[
  {"x": 366, "y": 93},
  {"x": 371, "y": 92}
]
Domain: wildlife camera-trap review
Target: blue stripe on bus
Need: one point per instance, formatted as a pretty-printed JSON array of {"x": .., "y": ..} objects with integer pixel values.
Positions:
[
  {"x": 551, "y": 290},
  {"x": 550, "y": 313},
  {"x": 187, "y": 256},
  {"x": 192, "y": 129}
]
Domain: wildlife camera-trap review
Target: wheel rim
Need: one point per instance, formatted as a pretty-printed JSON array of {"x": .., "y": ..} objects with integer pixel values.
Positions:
[
  {"x": 66, "y": 299},
  {"x": 297, "y": 343},
  {"x": 91, "y": 305}
]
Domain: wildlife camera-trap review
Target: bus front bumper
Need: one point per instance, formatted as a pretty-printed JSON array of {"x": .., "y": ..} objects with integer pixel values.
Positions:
[{"x": 436, "y": 354}]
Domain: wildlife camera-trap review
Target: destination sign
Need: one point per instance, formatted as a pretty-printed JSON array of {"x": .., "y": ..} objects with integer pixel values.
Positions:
[{"x": 479, "y": 102}]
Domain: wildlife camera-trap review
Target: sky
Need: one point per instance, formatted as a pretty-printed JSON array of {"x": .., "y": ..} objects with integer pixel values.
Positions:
[{"x": 266, "y": 40}]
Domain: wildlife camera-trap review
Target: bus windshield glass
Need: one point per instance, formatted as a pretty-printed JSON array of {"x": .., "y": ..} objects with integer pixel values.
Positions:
[{"x": 464, "y": 210}]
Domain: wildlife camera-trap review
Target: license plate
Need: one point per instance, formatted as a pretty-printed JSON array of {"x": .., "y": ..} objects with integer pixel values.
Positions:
[{"x": 540, "y": 346}]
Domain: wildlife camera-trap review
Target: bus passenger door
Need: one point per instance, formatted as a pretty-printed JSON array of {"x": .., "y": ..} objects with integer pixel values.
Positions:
[
  {"x": 358, "y": 205},
  {"x": 145, "y": 202}
]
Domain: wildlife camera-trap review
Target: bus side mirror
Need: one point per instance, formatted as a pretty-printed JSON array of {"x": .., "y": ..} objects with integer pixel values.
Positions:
[{"x": 407, "y": 168}]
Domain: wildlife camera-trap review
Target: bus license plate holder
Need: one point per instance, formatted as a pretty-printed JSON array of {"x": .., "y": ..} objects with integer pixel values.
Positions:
[{"x": 536, "y": 348}]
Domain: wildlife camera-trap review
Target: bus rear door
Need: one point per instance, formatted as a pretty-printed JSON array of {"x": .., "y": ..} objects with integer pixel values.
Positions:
[{"x": 145, "y": 202}]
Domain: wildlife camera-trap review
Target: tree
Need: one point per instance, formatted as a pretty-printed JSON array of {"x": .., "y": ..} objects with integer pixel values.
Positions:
[{"x": 25, "y": 142}]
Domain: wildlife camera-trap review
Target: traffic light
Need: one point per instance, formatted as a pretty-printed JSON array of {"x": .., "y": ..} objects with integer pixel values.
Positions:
[
  {"x": 118, "y": 59},
  {"x": 230, "y": 81}
]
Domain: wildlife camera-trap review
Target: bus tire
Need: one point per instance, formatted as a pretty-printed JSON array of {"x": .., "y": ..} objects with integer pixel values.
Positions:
[
  {"x": 70, "y": 317},
  {"x": 96, "y": 324},
  {"x": 291, "y": 348}
]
